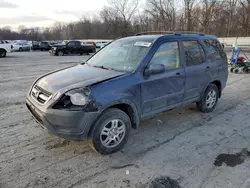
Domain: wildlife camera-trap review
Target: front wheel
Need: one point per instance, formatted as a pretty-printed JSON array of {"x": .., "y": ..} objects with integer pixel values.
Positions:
[
  {"x": 110, "y": 132},
  {"x": 209, "y": 99},
  {"x": 2, "y": 53}
]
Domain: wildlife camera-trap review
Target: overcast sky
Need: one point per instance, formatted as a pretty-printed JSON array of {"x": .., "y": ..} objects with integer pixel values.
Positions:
[{"x": 45, "y": 12}]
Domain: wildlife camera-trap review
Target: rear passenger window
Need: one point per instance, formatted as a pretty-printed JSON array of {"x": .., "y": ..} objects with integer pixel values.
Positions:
[
  {"x": 194, "y": 53},
  {"x": 214, "y": 49},
  {"x": 168, "y": 55}
]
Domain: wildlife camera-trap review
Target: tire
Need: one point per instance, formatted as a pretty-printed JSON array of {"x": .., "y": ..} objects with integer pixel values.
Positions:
[
  {"x": 60, "y": 53},
  {"x": 20, "y": 49},
  {"x": 236, "y": 70},
  {"x": 2, "y": 53},
  {"x": 104, "y": 125},
  {"x": 245, "y": 69},
  {"x": 202, "y": 105}
]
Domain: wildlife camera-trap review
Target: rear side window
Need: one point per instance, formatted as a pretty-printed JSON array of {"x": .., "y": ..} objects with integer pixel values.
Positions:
[
  {"x": 194, "y": 53},
  {"x": 214, "y": 49},
  {"x": 77, "y": 43},
  {"x": 168, "y": 55}
]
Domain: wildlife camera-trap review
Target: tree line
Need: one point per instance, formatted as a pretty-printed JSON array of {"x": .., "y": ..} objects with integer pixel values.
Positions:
[{"x": 223, "y": 18}]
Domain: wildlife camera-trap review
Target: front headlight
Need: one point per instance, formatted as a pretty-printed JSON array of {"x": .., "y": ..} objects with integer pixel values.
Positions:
[{"x": 79, "y": 97}]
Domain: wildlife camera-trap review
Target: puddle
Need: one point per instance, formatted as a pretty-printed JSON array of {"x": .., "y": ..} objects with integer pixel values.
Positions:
[
  {"x": 164, "y": 182},
  {"x": 232, "y": 160}
]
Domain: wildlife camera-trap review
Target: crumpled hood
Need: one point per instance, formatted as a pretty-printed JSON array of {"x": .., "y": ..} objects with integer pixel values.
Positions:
[{"x": 79, "y": 75}]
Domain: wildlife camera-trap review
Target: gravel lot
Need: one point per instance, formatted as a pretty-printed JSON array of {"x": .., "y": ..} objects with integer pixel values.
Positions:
[{"x": 181, "y": 144}]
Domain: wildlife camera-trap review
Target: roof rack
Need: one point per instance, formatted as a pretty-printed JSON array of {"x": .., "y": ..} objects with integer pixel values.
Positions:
[{"x": 178, "y": 33}]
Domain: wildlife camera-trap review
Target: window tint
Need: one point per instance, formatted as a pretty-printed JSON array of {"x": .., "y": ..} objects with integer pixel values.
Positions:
[
  {"x": 168, "y": 55},
  {"x": 214, "y": 49},
  {"x": 77, "y": 43},
  {"x": 194, "y": 53},
  {"x": 70, "y": 44}
]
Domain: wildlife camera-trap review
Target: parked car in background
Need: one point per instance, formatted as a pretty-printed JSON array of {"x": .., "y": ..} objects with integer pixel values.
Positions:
[
  {"x": 5, "y": 47},
  {"x": 45, "y": 45},
  {"x": 20, "y": 41},
  {"x": 91, "y": 43},
  {"x": 20, "y": 46},
  {"x": 72, "y": 47},
  {"x": 131, "y": 79},
  {"x": 35, "y": 45},
  {"x": 101, "y": 44}
]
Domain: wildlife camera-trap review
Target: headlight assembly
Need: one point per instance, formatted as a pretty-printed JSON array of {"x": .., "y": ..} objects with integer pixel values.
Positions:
[
  {"x": 73, "y": 99},
  {"x": 79, "y": 97}
]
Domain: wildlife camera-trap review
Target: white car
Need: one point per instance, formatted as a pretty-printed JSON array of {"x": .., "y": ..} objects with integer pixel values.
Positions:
[
  {"x": 101, "y": 44},
  {"x": 21, "y": 47},
  {"x": 5, "y": 48}
]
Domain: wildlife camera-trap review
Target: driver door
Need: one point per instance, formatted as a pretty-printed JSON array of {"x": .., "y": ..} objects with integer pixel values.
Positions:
[
  {"x": 160, "y": 92},
  {"x": 70, "y": 47}
]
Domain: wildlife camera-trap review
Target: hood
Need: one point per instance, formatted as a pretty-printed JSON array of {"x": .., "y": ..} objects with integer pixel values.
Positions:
[{"x": 79, "y": 75}]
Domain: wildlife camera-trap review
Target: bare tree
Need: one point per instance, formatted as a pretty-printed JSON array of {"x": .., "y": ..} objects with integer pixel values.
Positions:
[
  {"x": 125, "y": 9},
  {"x": 205, "y": 14},
  {"x": 163, "y": 14},
  {"x": 122, "y": 18},
  {"x": 230, "y": 9},
  {"x": 245, "y": 16},
  {"x": 188, "y": 6}
]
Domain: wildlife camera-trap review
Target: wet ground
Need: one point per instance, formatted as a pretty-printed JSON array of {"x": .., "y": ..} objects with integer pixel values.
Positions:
[{"x": 182, "y": 145}]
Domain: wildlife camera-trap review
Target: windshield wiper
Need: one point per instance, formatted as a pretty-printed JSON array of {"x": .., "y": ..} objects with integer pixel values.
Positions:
[{"x": 102, "y": 67}]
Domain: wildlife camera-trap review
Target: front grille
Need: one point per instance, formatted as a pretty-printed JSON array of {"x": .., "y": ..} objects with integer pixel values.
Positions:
[{"x": 40, "y": 95}]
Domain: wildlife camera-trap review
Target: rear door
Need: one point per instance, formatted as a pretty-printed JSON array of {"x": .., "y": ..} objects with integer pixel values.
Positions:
[
  {"x": 164, "y": 91},
  {"x": 197, "y": 70},
  {"x": 217, "y": 59}
]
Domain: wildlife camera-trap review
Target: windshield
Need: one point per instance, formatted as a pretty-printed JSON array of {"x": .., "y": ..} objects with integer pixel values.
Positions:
[{"x": 121, "y": 55}]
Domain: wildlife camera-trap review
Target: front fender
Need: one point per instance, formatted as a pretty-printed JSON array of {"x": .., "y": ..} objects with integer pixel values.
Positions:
[{"x": 136, "y": 114}]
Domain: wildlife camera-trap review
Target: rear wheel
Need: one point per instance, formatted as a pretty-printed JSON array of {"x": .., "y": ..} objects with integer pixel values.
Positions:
[
  {"x": 2, "y": 53},
  {"x": 209, "y": 99},
  {"x": 110, "y": 132},
  {"x": 60, "y": 53},
  {"x": 20, "y": 49}
]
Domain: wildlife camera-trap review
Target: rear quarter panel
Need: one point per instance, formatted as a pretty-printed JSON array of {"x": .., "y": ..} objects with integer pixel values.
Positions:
[{"x": 7, "y": 47}]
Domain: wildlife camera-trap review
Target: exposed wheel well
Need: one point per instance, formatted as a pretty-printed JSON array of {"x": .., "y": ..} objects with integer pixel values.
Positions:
[
  {"x": 129, "y": 111},
  {"x": 1, "y": 49},
  {"x": 218, "y": 84}
]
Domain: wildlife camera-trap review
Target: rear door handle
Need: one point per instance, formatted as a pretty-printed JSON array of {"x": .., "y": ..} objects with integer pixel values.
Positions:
[
  {"x": 178, "y": 73},
  {"x": 207, "y": 68}
]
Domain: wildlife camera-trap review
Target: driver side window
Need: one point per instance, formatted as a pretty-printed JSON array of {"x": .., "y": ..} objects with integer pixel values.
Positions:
[
  {"x": 71, "y": 44},
  {"x": 168, "y": 55}
]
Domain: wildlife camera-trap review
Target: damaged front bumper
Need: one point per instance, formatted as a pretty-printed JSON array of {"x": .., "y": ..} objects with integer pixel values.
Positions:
[{"x": 71, "y": 125}]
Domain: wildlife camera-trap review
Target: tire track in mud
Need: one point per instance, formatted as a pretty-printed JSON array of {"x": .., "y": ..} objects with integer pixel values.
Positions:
[{"x": 39, "y": 169}]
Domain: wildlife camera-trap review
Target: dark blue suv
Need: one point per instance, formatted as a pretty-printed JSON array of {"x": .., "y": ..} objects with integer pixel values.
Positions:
[{"x": 130, "y": 79}]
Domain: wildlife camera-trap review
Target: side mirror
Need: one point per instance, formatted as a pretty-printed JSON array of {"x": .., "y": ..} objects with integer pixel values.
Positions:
[{"x": 154, "y": 69}]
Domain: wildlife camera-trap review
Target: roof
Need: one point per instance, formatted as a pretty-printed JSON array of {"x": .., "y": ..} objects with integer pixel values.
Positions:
[{"x": 153, "y": 37}]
